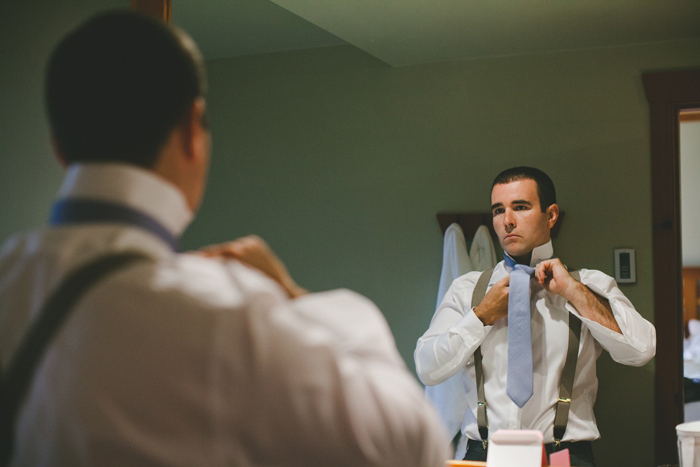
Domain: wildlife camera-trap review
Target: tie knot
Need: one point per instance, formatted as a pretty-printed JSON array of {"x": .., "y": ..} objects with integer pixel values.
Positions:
[
  {"x": 526, "y": 269},
  {"x": 510, "y": 262}
]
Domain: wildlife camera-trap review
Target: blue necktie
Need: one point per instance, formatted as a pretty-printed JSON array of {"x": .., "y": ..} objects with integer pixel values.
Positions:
[
  {"x": 519, "y": 380},
  {"x": 82, "y": 211}
]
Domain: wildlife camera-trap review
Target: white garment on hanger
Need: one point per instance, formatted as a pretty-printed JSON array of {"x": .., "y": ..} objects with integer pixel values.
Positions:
[
  {"x": 450, "y": 396},
  {"x": 482, "y": 252},
  {"x": 455, "y": 259}
]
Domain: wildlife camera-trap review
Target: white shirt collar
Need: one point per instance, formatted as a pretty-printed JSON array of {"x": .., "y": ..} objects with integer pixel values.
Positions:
[
  {"x": 130, "y": 186},
  {"x": 541, "y": 253}
]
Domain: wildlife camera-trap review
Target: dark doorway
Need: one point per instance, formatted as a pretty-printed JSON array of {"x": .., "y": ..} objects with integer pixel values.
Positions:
[{"x": 668, "y": 94}]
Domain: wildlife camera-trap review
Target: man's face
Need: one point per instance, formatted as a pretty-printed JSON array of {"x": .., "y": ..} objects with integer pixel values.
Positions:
[{"x": 518, "y": 219}]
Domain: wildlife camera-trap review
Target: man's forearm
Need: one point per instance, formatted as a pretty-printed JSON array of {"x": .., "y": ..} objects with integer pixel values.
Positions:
[{"x": 592, "y": 306}]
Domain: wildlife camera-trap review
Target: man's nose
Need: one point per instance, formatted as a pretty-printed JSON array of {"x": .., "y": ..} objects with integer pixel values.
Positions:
[{"x": 509, "y": 220}]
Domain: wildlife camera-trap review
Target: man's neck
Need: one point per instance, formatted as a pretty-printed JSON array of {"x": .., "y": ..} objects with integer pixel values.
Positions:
[
  {"x": 525, "y": 259},
  {"x": 537, "y": 254}
]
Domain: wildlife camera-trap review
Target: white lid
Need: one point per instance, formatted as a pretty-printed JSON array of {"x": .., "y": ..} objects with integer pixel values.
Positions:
[
  {"x": 519, "y": 437},
  {"x": 690, "y": 428}
]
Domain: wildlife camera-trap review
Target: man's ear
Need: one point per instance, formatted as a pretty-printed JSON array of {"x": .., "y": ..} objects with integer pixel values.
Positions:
[
  {"x": 58, "y": 152},
  {"x": 196, "y": 133},
  {"x": 552, "y": 215}
]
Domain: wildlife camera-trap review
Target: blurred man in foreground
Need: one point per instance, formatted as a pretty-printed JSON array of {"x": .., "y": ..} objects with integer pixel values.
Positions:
[{"x": 209, "y": 359}]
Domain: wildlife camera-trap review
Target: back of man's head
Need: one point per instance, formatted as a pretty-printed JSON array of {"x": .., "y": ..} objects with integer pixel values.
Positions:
[
  {"x": 545, "y": 186},
  {"x": 118, "y": 85}
]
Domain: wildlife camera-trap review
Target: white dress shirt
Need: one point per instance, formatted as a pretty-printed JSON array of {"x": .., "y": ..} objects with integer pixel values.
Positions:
[
  {"x": 187, "y": 360},
  {"x": 455, "y": 333}
]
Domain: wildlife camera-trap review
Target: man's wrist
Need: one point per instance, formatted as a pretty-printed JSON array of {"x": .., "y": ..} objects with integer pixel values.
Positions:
[
  {"x": 479, "y": 313},
  {"x": 574, "y": 290}
]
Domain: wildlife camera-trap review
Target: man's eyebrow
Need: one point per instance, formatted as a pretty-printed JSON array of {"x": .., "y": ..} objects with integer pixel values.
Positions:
[{"x": 521, "y": 202}]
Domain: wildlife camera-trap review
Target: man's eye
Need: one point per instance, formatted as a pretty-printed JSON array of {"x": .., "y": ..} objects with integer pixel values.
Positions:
[
  {"x": 497, "y": 212},
  {"x": 520, "y": 207}
]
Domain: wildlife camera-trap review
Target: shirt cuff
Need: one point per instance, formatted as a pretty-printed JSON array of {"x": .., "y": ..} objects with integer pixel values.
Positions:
[{"x": 472, "y": 330}]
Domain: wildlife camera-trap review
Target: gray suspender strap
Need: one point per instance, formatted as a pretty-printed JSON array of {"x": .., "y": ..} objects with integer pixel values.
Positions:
[
  {"x": 561, "y": 414},
  {"x": 561, "y": 417},
  {"x": 17, "y": 378},
  {"x": 481, "y": 417}
]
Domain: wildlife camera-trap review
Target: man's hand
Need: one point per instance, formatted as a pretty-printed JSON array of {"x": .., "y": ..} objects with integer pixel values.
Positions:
[
  {"x": 494, "y": 306},
  {"x": 554, "y": 277},
  {"x": 253, "y": 251}
]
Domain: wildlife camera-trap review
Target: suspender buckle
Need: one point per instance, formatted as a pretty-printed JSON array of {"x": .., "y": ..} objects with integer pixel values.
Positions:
[
  {"x": 557, "y": 442},
  {"x": 565, "y": 399},
  {"x": 485, "y": 444}
]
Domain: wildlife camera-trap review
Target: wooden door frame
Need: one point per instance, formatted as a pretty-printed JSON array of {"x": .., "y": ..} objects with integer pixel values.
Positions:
[
  {"x": 160, "y": 9},
  {"x": 668, "y": 93}
]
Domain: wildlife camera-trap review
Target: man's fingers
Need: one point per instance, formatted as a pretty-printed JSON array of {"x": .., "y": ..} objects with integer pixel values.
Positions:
[
  {"x": 254, "y": 251},
  {"x": 226, "y": 251},
  {"x": 540, "y": 274},
  {"x": 543, "y": 269},
  {"x": 505, "y": 282},
  {"x": 238, "y": 248}
]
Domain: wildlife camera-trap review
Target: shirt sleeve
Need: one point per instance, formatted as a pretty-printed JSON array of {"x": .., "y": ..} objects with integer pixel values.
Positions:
[
  {"x": 637, "y": 343},
  {"x": 328, "y": 367},
  {"x": 454, "y": 334}
]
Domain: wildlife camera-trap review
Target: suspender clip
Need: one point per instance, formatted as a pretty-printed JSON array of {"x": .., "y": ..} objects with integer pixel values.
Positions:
[{"x": 565, "y": 399}]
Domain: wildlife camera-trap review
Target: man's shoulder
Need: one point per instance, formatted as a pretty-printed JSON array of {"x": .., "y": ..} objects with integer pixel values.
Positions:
[
  {"x": 204, "y": 281},
  {"x": 469, "y": 278}
]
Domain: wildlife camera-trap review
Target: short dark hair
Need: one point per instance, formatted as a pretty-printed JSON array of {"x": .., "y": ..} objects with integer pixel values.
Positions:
[
  {"x": 545, "y": 186},
  {"x": 118, "y": 85}
]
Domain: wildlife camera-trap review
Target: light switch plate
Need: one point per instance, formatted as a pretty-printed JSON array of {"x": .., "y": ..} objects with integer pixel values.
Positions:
[{"x": 625, "y": 266}]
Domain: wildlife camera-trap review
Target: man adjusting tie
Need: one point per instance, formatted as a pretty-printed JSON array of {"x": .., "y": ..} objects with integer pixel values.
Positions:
[{"x": 530, "y": 344}]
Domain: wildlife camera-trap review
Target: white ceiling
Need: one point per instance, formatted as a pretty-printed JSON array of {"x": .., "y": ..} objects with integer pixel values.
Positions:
[{"x": 406, "y": 32}]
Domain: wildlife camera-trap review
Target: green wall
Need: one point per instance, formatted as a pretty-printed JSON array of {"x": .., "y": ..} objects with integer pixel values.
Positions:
[
  {"x": 30, "y": 176},
  {"x": 342, "y": 162}
]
